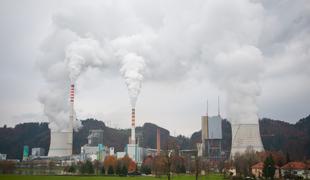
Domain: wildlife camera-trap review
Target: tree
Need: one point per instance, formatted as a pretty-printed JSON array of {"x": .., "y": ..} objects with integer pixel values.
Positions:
[
  {"x": 197, "y": 166},
  {"x": 110, "y": 170},
  {"x": 288, "y": 159},
  {"x": 146, "y": 169},
  {"x": 72, "y": 169},
  {"x": 119, "y": 165},
  {"x": 102, "y": 170},
  {"x": 97, "y": 165},
  {"x": 132, "y": 167},
  {"x": 269, "y": 168},
  {"x": 243, "y": 162},
  {"x": 87, "y": 168},
  {"x": 124, "y": 171},
  {"x": 147, "y": 165},
  {"x": 7, "y": 167},
  {"x": 110, "y": 161}
]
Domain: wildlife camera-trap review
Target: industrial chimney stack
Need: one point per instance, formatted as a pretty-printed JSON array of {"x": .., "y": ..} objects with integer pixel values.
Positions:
[
  {"x": 158, "y": 141},
  {"x": 133, "y": 126}
]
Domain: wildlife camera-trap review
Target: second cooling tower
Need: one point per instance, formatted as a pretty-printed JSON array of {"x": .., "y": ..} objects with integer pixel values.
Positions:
[{"x": 244, "y": 136}]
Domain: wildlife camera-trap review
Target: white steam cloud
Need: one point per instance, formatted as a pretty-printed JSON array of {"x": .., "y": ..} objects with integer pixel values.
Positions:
[
  {"x": 61, "y": 67},
  {"x": 238, "y": 74},
  {"x": 221, "y": 41},
  {"x": 82, "y": 54},
  {"x": 132, "y": 71}
]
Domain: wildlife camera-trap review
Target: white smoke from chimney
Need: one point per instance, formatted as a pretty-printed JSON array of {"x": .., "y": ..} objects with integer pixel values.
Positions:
[
  {"x": 82, "y": 54},
  {"x": 132, "y": 70},
  {"x": 62, "y": 68}
]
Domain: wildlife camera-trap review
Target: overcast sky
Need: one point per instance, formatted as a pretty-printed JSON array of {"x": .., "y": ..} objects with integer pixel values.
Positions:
[{"x": 256, "y": 51}]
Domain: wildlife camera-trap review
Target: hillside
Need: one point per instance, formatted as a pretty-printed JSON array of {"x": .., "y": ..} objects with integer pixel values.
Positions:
[{"x": 276, "y": 135}]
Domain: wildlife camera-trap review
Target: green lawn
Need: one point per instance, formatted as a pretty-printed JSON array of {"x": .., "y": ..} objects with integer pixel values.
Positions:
[{"x": 184, "y": 177}]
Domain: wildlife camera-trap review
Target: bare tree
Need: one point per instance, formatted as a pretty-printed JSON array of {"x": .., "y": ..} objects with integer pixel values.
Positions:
[{"x": 169, "y": 151}]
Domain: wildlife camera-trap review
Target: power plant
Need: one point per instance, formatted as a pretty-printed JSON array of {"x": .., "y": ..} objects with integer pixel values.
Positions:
[
  {"x": 243, "y": 136},
  {"x": 211, "y": 136},
  {"x": 61, "y": 141}
]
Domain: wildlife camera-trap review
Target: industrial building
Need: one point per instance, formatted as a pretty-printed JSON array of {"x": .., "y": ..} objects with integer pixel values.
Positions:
[
  {"x": 95, "y": 150},
  {"x": 211, "y": 137},
  {"x": 2, "y": 157},
  {"x": 36, "y": 152},
  {"x": 95, "y": 137}
]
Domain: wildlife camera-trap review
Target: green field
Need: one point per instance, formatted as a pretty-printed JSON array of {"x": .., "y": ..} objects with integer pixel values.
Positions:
[{"x": 185, "y": 177}]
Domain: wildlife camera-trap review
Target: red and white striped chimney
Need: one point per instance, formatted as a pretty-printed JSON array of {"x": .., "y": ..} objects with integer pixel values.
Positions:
[
  {"x": 133, "y": 126},
  {"x": 71, "y": 106}
]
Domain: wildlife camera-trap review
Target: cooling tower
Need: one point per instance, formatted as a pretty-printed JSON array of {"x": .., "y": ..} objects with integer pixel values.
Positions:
[
  {"x": 61, "y": 144},
  {"x": 245, "y": 135},
  {"x": 61, "y": 141}
]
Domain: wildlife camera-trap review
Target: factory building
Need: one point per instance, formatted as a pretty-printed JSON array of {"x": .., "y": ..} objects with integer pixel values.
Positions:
[
  {"x": 95, "y": 137},
  {"x": 95, "y": 150},
  {"x": 2, "y": 157},
  {"x": 37, "y": 152},
  {"x": 211, "y": 137}
]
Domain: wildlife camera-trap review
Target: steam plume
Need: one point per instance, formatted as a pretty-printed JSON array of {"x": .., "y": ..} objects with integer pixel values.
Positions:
[{"x": 132, "y": 71}]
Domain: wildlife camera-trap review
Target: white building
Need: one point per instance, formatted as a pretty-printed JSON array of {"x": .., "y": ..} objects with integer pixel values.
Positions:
[
  {"x": 94, "y": 152},
  {"x": 2, "y": 156},
  {"x": 35, "y": 152},
  {"x": 135, "y": 152}
]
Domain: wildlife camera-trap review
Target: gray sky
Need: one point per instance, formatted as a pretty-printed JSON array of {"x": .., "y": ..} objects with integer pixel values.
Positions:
[{"x": 258, "y": 51}]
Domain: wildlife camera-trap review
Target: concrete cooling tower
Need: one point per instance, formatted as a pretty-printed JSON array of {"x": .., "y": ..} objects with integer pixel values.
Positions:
[
  {"x": 61, "y": 141},
  {"x": 245, "y": 135},
  {"x": 61, "y": 144}
]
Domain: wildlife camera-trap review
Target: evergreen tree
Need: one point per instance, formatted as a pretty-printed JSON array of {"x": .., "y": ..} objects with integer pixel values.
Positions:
[
  {"x": 124, "y": 171},
  {"x": 110, "y": 170},
  {"x": 118, "y": 169},
  {"x": 269, "y": 168},
  {"x": 103, "y": 170},
  {"x": 288, "y": 159}
]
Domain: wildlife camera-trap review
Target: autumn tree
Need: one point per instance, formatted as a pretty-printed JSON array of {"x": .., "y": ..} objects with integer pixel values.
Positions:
[
  {"x": 243, "y": 162},
  {"x": 110, "y": 163},
  {"x": 147, "y": 165}
]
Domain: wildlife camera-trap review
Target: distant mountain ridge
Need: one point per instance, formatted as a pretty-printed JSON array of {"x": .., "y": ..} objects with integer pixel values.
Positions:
[{"x": 276, "y": 135}]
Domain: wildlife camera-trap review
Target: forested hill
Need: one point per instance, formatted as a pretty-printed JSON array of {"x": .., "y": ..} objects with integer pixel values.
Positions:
[{"x": 276, "y": 135}]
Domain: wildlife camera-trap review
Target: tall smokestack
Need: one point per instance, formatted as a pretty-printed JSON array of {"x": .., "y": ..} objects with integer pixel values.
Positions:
[
  {"x": 71, "y": 118},
  {"x": 158, "y": 141},
  {"x": 133, "y": 126}
]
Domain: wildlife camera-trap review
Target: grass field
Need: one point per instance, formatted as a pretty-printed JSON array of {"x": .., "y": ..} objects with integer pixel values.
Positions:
[{"x": 184, "y": 177}]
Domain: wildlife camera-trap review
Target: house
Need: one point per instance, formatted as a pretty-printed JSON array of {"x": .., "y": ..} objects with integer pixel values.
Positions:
[
  {"x": 296, "y": 169},
  {"x": 257, "y": 170}
]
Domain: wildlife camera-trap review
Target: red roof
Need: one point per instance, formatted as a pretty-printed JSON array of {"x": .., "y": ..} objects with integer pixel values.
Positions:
[
  {"x": 259, "y": 165},
  {"x": 294, "y": 165}
]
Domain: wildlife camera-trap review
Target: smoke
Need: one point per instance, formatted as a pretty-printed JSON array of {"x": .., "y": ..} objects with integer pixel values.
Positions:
[
  {"x": 238, "y": 73},
  {"x": 61, "y": 66},
  {"x": 217, "y": 41},
  {"x": 132, "y": 71},
  {"x": 81, "y": 55}
]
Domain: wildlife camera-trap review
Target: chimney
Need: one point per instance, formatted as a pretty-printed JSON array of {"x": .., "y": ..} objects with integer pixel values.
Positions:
[
  {"x": 133, "y": 126},
  {"x": 71, "y": 106},
  {"x": 158, "y": 141}
]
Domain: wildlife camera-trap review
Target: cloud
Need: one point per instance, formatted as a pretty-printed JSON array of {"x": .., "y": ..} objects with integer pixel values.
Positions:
[{"x": 237, "y": 46}]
